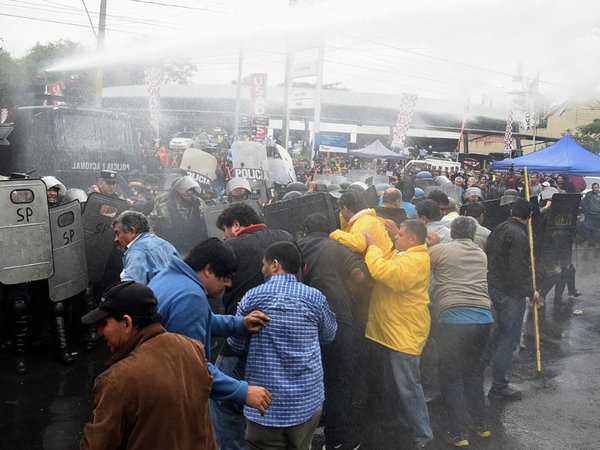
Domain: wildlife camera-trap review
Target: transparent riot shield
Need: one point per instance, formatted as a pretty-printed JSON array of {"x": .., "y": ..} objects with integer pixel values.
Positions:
[
  {"x": 249, "y": 160},
  {"x": 200, "y": 165},
  {"x": 100, "y": 211},
  {"x": 212, "y": 213},
  {"x": 290, "y": 214},
  {"x": 68, "y": 246},
  {"x": 360, "y": 175},
  {"x": 24, "y": 232},
  {"x": 281, "y": 170}
]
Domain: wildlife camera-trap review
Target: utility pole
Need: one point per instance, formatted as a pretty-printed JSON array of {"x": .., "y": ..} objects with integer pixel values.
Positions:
[
  {"x": 99, "y": 48},
  {"x": 286, "y": 94},
  {"x": 238, "y": 96},
  {"x": 318, "y": 91}
]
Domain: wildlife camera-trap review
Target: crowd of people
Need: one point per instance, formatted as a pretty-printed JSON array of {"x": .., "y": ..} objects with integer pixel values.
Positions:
[{"x": 250, "y": 340}]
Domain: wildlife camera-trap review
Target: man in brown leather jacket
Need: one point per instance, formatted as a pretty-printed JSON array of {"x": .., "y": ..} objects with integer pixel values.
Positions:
[{"x": 154, "y": 391}]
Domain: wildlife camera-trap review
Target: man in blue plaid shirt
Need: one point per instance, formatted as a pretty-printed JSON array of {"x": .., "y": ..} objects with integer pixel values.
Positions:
[{"x": 286, "y": 357}]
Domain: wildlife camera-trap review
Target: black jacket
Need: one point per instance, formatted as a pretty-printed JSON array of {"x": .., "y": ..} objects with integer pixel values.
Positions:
[
  {"x": 509, "y": 268},
  {"x": 328, "y": 266},
  {"x": 250, "y": 248}
]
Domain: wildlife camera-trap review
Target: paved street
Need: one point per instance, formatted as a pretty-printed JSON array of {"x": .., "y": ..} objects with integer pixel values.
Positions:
[{"x": 46, "y": 408}]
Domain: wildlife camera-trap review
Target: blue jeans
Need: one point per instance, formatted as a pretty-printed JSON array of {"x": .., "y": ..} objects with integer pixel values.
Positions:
[
  {"x": 413, "y": 406},
  {"x": 459, "y": 350},
  {"x": 227, "y": 418},
  {"x": 506, "y": 336}
]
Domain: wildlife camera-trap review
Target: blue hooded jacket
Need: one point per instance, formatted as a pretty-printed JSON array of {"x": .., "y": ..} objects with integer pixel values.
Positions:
[{"x": 183, "y": 305}]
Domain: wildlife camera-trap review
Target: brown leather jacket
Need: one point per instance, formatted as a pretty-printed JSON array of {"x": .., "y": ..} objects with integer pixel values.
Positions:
[{"x": 153, "y": 395}]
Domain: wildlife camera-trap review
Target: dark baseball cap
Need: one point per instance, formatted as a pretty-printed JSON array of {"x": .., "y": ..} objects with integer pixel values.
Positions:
[{"x": 127, "y": 297}]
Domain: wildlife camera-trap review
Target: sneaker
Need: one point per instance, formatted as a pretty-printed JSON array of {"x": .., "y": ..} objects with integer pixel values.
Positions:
[
  {"x": 505, "y": 392},
  {"x": 483, "y": 431},
  {"x": 575, "y": 294},
  {"x": 458, "y": 441}
]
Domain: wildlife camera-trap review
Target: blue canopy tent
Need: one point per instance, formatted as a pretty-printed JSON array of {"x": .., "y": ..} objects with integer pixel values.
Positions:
[
  {"x": 375, "y": 151},
  {"x": 564, "y": 156}
]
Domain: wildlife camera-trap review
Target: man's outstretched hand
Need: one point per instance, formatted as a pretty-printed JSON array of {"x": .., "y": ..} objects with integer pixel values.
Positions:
[
  {"x": 259, "y": 398},
  {"x": 255, "y": 321}
]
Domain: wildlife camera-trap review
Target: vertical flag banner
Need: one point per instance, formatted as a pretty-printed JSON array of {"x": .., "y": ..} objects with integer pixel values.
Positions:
[
  {"x": 462, "y": 127},
  {"x": 258, "y": 96},
  {"x": 153, "y": 83},
  {"x": 407, "y": 106},
  {"x": 508, "y": 134}
]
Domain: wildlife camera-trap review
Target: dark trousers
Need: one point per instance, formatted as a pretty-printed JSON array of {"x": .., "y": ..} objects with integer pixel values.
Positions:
[
  {"x": 504, "y": 339},
  {"x": 460, "y": 348},
  {"x": 338, "y": 375},
  {"x": 296, "y": 437}
]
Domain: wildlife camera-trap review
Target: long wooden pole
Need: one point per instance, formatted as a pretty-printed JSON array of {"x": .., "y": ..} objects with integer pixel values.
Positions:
[{"x": 536, "y": 322}]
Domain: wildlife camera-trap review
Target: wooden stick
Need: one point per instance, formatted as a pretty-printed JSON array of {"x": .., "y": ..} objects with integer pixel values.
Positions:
[{"x": 536, "y": 323}]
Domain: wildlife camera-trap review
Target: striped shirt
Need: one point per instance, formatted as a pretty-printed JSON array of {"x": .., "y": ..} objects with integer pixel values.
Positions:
[{"x": 285, "y": 357}]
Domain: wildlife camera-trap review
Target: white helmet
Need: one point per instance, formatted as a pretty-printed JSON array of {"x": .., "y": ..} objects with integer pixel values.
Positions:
[
  {"x": 236, "y": 183},
  {"x": 52, "y": 182},
  {"x": 185, "y": 183},
  {"x": 75, "y": 194}
]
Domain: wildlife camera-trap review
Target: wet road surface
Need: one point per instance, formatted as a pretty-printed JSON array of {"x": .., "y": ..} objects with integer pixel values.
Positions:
[{"x": 47, "y": 408}]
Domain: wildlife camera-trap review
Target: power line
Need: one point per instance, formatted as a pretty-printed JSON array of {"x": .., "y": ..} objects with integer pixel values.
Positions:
[
  {"x": 60, "y": 22},
  {"x": 180, "y": 6},
  {"x": 88, "y": 15},
  {"x": 79, "y": 13}
]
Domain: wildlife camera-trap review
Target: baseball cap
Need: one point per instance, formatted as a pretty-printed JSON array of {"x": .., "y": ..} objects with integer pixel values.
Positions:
[{"x": 126, "y": 297}]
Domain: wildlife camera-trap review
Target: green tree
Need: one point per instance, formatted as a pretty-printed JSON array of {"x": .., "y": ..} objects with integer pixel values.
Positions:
[{"x": 588, "y": 135}]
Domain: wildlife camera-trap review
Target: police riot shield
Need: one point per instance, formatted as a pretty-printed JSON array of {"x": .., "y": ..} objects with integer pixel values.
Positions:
[
  {"x": 360, "y": 175},
  {"x": 212, "y": 213},
  {"x": 279, "y": 172},
  {"x": 290, "y": 214},
  {"x": 100, "y": 211},
  {"x": 68, "y": 246},
  {"x": 24, "y": 232},
  {"x": 370, "y": 197},
  {"x": 556, "y": 230},
  {"x": 287, "y": 163},
  {"x": 200, "y": 165},
  {"x": 249, "y": 160}
]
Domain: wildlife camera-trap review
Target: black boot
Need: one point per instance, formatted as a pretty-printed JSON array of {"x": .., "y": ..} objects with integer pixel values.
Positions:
[
  {"x": 90, "y": 334},
  {"x": 21, "y": 331},
  {"x": 18, "y": 296},
  {"x": 64, "y": 354}
]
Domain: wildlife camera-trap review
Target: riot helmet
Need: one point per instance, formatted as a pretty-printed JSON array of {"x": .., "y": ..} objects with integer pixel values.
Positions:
[
  {"x": 55, "y": 189},
  {"x": 291, "y": 195},
  {"x": 358, "y": 186},
  {"x": 424, "y": 176},
  {"x": 75, "y": 194},
  {"x": 238, "y": 189},
  {"x": 296, "y": 186}
]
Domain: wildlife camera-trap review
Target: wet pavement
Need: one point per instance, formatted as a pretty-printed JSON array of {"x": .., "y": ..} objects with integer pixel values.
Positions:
[{"x": 47, "y": 408}]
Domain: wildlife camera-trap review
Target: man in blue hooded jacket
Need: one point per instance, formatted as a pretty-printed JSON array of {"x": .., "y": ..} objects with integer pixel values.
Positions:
[{"x": 182, "y": 290}]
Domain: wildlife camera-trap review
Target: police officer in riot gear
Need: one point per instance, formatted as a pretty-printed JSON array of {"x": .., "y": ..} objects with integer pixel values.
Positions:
[
  {"x": 39, "y": 289},
  {"x": 178, "y": 216},
  {"x": 237, "y": 190}
]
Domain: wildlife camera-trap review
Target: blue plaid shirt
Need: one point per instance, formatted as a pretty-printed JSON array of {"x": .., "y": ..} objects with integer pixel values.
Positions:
[{"x": 285, "y": 357}]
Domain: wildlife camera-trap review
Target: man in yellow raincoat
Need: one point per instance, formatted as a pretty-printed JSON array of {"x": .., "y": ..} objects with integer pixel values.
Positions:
[
  {"x": 356, "y": 218},
  {"x": 399, "y": 317}
]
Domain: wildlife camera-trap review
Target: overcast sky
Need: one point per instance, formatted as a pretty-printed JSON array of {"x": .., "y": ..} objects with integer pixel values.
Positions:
[{"x": 455, "y": 49}]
